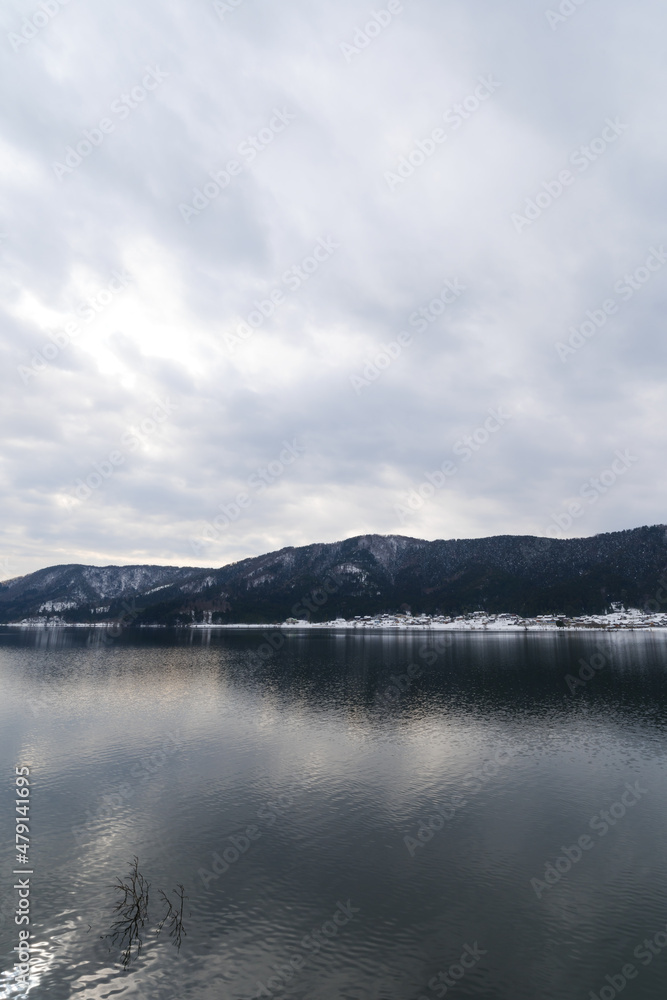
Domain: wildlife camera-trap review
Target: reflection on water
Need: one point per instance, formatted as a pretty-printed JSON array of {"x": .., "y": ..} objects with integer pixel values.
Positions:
[{"x": 350, "y": 817}]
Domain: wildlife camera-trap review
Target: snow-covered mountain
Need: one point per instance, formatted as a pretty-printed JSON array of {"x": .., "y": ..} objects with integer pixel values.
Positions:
[{"x": 368, "y": 574}]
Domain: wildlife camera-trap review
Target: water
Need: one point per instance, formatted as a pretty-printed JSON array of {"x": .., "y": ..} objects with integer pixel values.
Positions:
[{"x": 165, "y": 745}]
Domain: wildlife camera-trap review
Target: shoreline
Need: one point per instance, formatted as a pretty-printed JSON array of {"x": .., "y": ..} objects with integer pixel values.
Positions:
[{"x": 614, "y": 622}]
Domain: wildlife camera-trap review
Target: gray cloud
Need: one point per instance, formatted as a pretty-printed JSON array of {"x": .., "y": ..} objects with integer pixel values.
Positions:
[{"x": 170, "y": 333}]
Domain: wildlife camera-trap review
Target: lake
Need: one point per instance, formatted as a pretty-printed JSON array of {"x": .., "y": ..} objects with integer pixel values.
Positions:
[{"x": 362, "y": 816}]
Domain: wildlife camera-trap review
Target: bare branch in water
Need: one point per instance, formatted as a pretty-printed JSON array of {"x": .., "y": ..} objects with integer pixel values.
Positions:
[
  {"x": 132, "y": 908},
  {"x": 174, "y": 915},
  {"x": 132, "y": 914}
]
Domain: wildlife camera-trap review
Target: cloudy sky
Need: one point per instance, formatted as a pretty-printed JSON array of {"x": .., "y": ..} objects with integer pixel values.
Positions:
[{"x": 266, "y": 267}]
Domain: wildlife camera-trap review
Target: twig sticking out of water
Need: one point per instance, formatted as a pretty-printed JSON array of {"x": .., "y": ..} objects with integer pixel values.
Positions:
[
  {"x": 132, "y": 908},
  {"x": 174, "y": 915}
]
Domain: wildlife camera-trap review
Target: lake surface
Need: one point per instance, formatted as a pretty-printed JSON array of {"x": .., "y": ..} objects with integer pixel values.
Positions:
[{"x": 288, "y": 794}]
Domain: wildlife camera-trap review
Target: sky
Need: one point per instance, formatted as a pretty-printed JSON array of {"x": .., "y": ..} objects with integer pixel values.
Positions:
[{"x": 275, "y": 274}]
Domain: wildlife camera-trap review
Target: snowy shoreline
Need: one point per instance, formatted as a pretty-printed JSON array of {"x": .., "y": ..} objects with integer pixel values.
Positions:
[{"x": 615, "y": 621}]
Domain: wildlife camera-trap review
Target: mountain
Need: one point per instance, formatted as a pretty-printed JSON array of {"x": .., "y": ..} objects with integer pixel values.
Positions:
[{"x": 365, "y": 575}]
